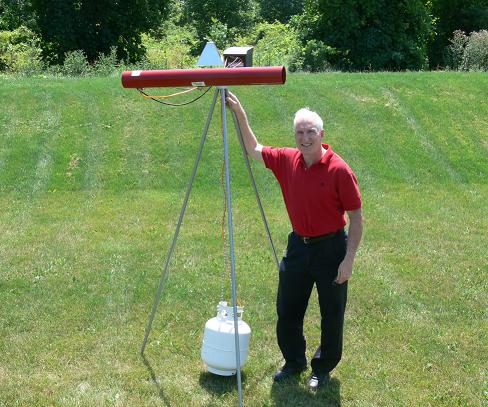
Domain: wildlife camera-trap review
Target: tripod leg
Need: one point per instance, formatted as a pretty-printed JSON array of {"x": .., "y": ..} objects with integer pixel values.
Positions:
[
  {"x": 231, "y": 244},
  {"x": 180, "y": 220},
  {"x": 255, "y": 188}
]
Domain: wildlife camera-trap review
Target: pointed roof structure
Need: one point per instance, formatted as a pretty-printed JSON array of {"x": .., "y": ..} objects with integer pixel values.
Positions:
[{"x": 210, "y": 56}]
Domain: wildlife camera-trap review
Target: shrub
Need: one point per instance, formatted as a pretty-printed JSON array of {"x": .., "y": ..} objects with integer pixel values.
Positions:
[
  {"x": 315, "y": 56},
  {"x": 274, "y": 44},
  {"x": 455, "y": 51},
  {"x": 75, "y": 64},
  {"x": 475, "y": 56},
  {"x": 280, "y": 44},
  {"x": 106, "y": 64},
  {"x": 54, "y": 70},
  {"x": 171, "y": 49},
  {"x": 450, "y": 15},
  {"x": 20, "y": 52},
  {"x": 468, "y": 52}
]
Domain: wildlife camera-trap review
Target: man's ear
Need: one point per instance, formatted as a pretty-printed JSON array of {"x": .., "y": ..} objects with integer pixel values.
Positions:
[{"x": 322, "y": 132}]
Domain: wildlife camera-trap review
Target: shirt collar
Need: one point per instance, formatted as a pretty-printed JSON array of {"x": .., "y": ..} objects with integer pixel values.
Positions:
[
  {"x": 324, "y": 159},
  {"x": 328, "y": 154}
]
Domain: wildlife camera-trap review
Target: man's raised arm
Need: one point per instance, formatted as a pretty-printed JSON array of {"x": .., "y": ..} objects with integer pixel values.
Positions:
[{"x": 253, "y": 147}]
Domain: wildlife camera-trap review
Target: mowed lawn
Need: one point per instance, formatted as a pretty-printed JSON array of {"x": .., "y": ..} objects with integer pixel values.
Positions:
[{"x": 92, "y": 178}]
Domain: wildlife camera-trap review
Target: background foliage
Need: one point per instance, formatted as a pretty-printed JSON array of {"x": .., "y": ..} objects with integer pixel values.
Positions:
[
  {"x": 310, "y": 35},
  {"x": 15, "y": 13},
  {"x": 95, "y": 26},
  {"x": 468, "y": 52},
  {"x": 225, "y": 19},
  {"x": 20, "y": 51},
  {"x": 373, "y": 34},
  {"x": 280, "y": 10},
  {"x": 452, "y": 15},
  {"x": 275, "y": 44}
]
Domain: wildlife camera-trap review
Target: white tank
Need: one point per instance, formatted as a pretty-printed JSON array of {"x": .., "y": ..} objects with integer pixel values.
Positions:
[{"x": 218, "y": 348}]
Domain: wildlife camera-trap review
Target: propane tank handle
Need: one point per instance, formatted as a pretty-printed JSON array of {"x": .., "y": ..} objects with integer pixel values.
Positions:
[{"x": 227, "y": 312}]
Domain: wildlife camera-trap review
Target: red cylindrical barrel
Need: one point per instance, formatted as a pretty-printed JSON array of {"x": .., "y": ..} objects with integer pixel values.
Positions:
[{"x": 268, "y": 75}]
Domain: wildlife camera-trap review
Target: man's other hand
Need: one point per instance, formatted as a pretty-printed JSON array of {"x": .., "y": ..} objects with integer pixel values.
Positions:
[{"x": 345, "y": 271}]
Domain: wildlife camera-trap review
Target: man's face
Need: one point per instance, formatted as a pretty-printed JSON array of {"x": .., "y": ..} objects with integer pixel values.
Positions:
[{"x": 308, "y": 137}]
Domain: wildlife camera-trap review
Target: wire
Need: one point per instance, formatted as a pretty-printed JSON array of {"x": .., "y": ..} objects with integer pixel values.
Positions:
[
  {"x": 173, "y": 104},
  {"x": 237, "y": 62},
  {"x": 172, "y": 95}
]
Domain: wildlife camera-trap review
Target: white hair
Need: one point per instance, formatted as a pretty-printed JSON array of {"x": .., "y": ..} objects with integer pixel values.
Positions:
[{"x": 306, "y": 114}]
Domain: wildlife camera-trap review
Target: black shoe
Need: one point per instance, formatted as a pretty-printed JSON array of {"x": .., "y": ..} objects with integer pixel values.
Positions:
[
  {"x": 288, "y": 371},
  {"x": 315, "y": 381}
]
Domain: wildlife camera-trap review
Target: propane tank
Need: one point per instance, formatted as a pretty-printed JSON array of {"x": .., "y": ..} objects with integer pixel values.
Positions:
[{"x": 218, "y": 348}]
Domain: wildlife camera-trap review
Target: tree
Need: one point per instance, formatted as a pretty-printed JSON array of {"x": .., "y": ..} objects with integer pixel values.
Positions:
[
  {"x": 225, "y": 19},
  {"x": 280, "y": 10},
  {"x": 16, "y": 13},
  {"x": 371, "y": 34},
  {"x": 95, "y": 26},
  {"x": 452, "y": 15}
]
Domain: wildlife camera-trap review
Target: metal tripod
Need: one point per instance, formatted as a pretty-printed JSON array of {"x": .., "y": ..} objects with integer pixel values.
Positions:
[{"x": 222, "y": 92}]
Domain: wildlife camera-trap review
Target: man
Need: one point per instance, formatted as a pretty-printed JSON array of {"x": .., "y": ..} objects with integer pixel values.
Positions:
[{"x": 318, "y": 187}]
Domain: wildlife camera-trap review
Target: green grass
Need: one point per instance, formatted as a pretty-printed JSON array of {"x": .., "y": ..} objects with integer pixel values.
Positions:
[{"x": 92, "y": 178}]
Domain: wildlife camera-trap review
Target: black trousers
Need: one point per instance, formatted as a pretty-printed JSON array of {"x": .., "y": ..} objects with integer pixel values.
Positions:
[{"x": 302, "y": 267}]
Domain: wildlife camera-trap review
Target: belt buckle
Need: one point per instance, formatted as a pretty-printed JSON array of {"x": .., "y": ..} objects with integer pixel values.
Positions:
[{"x": 306, "y": 240}]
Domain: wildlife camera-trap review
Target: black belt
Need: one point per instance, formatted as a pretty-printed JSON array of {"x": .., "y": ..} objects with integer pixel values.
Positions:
[{"x": 315, "y": 239}]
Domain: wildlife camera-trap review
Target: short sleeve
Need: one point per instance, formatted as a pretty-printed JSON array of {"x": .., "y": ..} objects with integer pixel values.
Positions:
[
  {"x": 272, "y": 158},
  {"x": 348, "y": 189}
]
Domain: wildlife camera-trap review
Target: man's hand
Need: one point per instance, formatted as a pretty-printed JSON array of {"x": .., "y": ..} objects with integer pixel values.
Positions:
[
  {"x": 233, "y": 103},
  {"x": 345, "y": 271},
  {"x": 253, "y": 148},
  {"x": 353, "y": 239}
]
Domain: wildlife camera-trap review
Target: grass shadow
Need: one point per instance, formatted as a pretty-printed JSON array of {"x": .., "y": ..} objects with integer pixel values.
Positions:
[
  {"x": 155, "y": 381},
  {"x": 219, "y": 385},
  {"x": 290, "y": 393}
]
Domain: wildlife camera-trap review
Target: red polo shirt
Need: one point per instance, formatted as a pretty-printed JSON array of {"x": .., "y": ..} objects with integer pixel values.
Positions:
[{"x": 317, "y": 197}]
